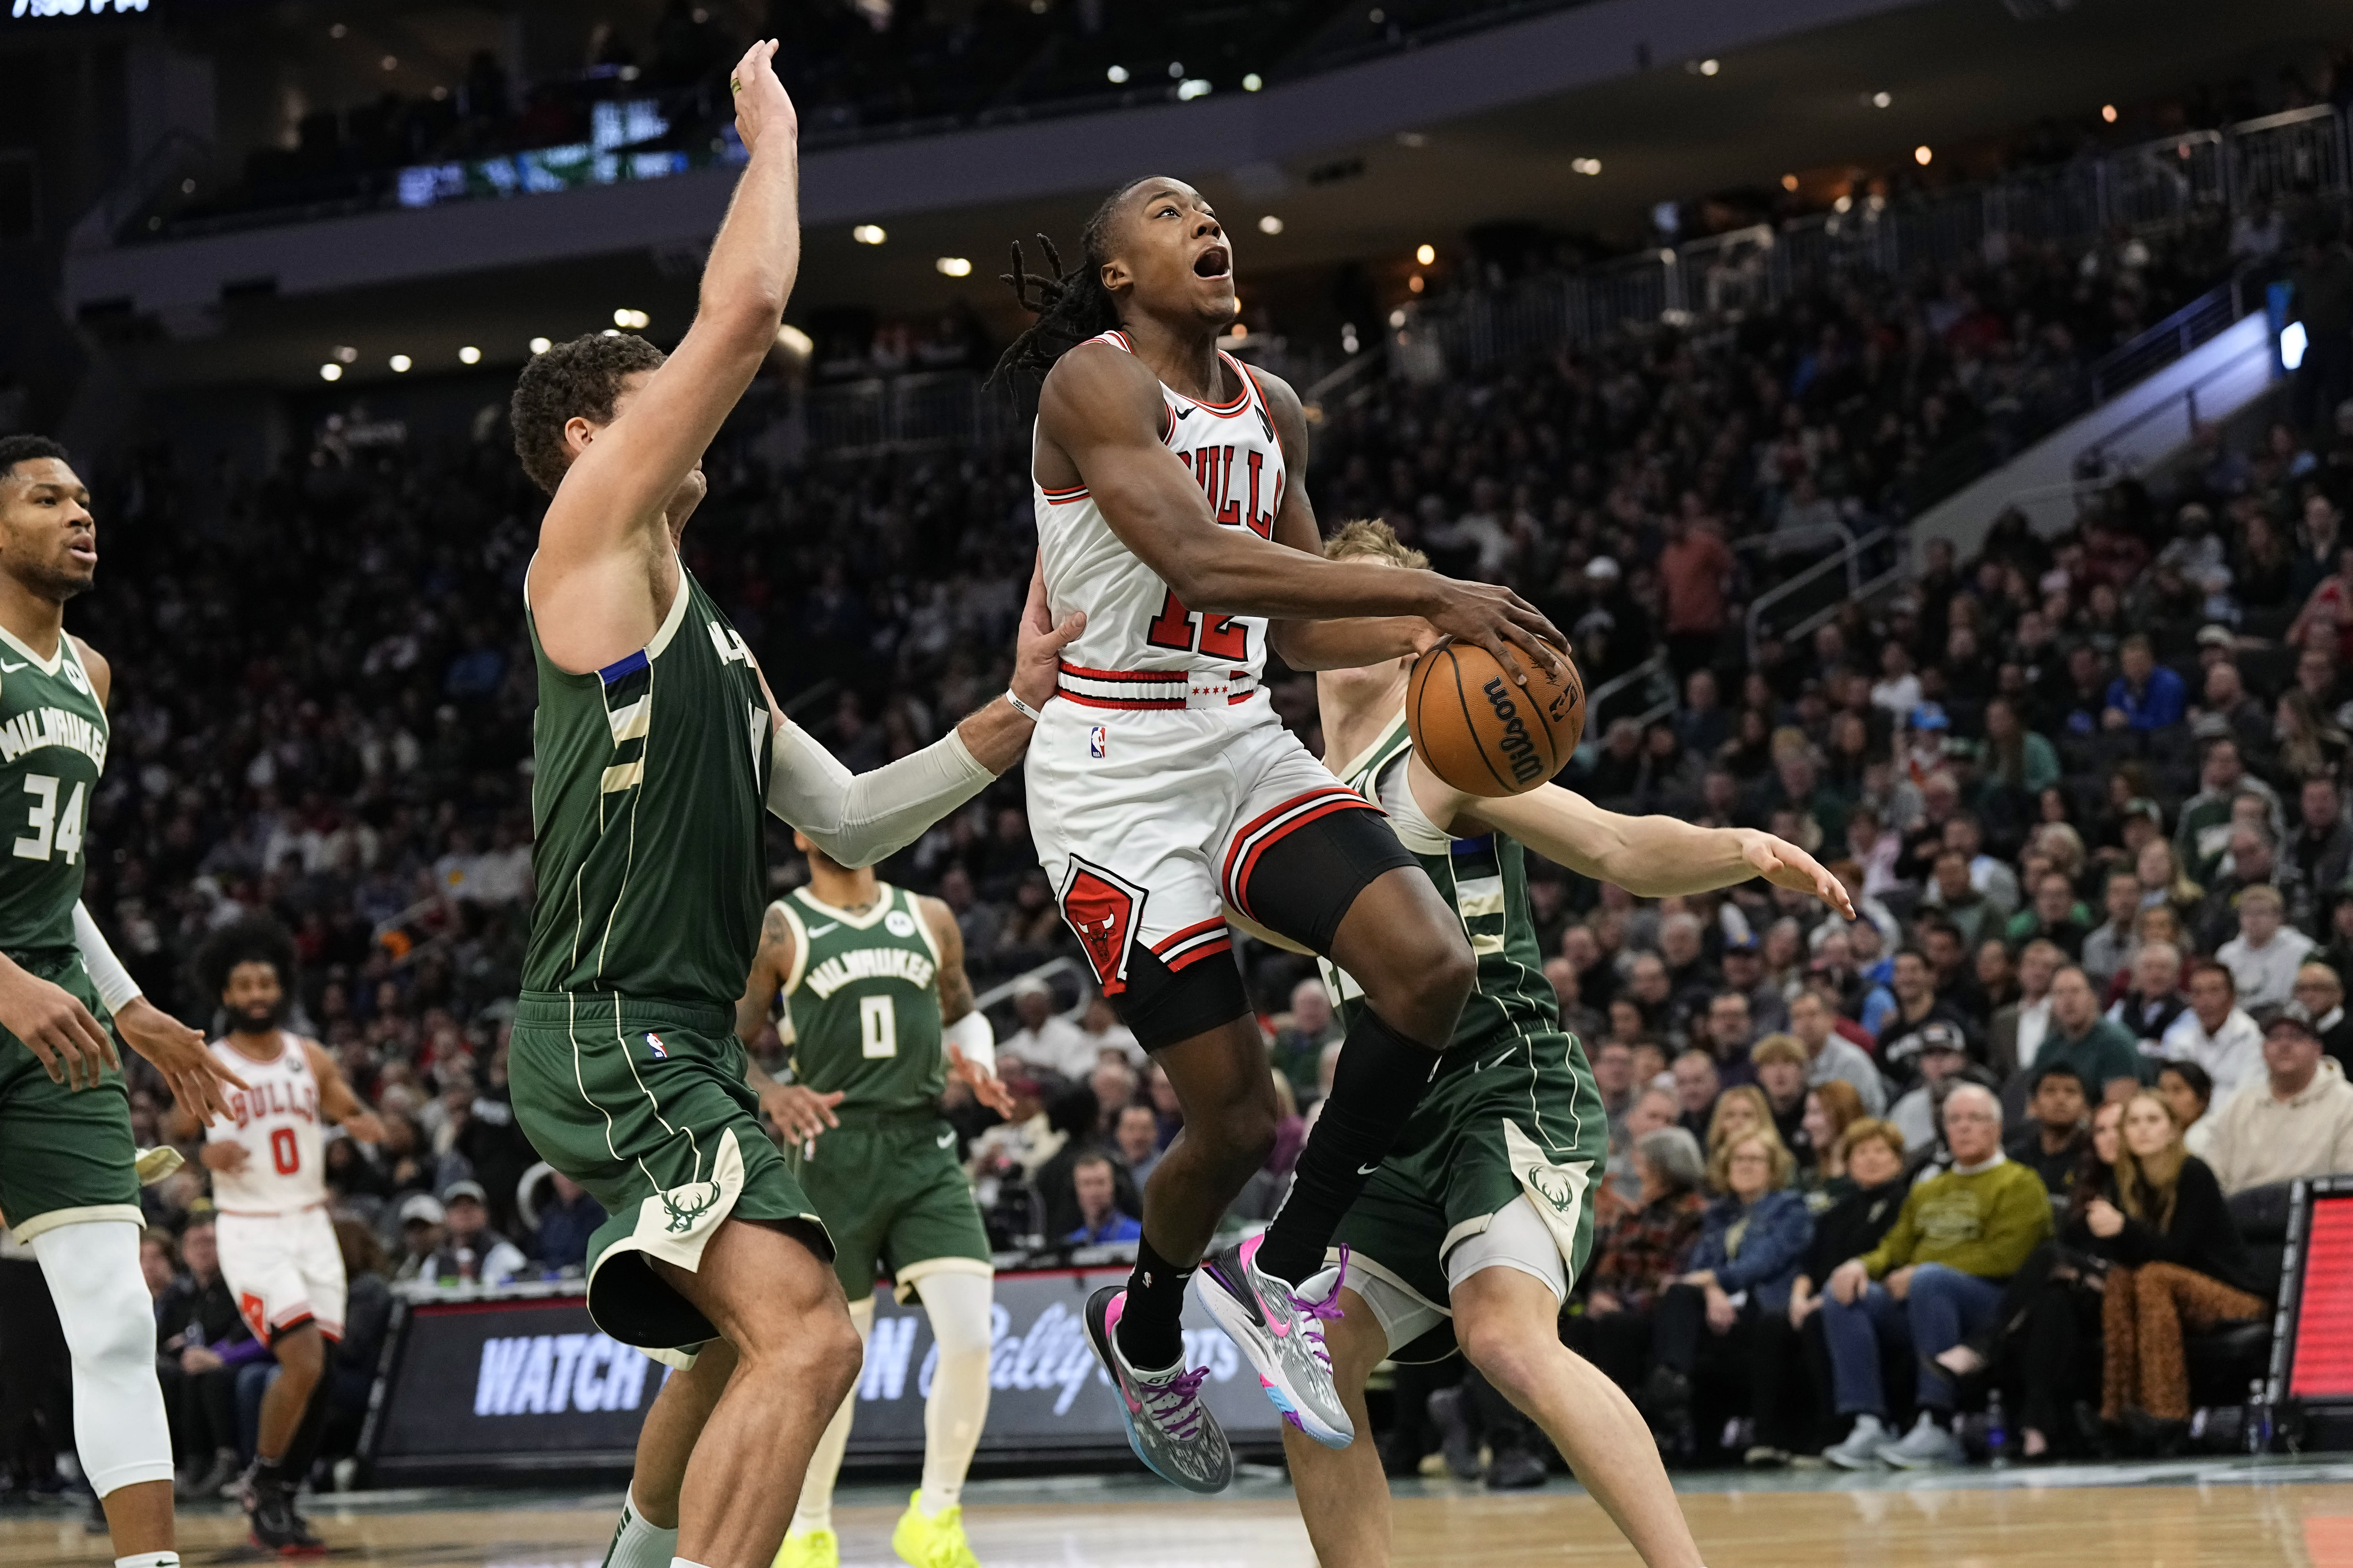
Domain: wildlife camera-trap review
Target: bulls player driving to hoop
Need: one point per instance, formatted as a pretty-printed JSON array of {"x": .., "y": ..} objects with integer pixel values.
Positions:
[
  {"x": 278, "y": 1248},
  {"x": 1164, "y": 789}
]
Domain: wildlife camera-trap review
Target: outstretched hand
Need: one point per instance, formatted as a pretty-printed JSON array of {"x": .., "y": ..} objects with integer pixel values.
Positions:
[
  {"x": 198, "y": 1079},
  {"x": 982, "y": 1079},
  {"x": 761, "y": 104},
  {"x": 1038, "y": 651},
  {"x": 1785, "y": 865},
  {"x": 799, "y": 1112}
]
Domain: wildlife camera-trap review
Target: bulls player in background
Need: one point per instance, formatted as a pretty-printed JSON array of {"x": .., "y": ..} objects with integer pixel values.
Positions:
[
  {"x": 278, "y": 1248},
  {"x": 1168, "y": 487}
]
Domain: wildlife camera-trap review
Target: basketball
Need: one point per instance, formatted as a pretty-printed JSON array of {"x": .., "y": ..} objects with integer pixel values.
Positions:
[{"x": 1484, "y": 733}]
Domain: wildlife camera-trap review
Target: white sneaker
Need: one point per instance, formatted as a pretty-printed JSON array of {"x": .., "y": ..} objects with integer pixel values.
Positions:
[
  {"x": 1928, "y": 1445},
  {"x": 1861, "y": 1449}
]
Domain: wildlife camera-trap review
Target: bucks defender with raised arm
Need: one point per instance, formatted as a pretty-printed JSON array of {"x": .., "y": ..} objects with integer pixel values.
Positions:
[
  {"x": 879, "y": 1013},
  {"x": 1475, "y": 1226},
  {"x": 657, "y": 744},
  {"x": 68, "y": 1174}
]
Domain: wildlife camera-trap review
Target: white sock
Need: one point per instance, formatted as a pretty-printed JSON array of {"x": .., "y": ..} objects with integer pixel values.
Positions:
[
  {"x": 814, "y": 1512},
  {"x": 638, "y": 1544},
  {"x": 683, "y": 1562},
  {"x": 959, "y": 1306},
  {"x": 149, "y": 1559}
]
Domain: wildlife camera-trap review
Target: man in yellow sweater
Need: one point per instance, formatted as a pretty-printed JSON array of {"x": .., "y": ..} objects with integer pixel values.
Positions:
[{"x": 1933, "y": 1281}]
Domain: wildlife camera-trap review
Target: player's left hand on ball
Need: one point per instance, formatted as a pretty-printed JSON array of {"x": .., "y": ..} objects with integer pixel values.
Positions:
[
  {"x": 199, "y": 1080},
  {"x": 1038, "y": 651},
  {"x": 982, "y": 1079},
  {"x": 1785, "y": 865}
]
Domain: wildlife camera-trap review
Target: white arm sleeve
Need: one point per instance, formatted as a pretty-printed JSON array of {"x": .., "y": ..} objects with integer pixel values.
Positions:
[
  {"x": 860, "y": 819},
  {"x": 976, "y": 1037},
  {"x": 115, "y": 987}
]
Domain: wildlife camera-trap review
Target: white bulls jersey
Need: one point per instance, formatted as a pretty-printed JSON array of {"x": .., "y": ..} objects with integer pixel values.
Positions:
[
  {"x": 277, "y": 1120},
  {"x": 1136, "y": 627}
]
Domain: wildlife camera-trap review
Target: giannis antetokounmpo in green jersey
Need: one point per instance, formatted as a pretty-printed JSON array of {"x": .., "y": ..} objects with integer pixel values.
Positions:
[
  {"x": 658, "y": 747},
  {"x": 68, "y": 1173},
  {"x": 1477, "y": 1221}
]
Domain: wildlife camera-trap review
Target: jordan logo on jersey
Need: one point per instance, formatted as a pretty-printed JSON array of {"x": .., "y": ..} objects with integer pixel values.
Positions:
[{"x": 1103, "y": 911}]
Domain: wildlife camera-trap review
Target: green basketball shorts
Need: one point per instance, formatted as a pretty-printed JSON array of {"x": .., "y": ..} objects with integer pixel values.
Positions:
[
  {"x": 64, "y": 1155},
  {"x": 894, "y": 1200},
  {"x": 644, "y": 1104},
  {"x": 1518, "y": 1119}
]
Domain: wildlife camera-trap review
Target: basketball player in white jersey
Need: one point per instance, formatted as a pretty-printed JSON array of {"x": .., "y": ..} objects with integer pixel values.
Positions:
[
  {"x": 278, "y": 1248},
  {"x": 1163, "y": 789}
]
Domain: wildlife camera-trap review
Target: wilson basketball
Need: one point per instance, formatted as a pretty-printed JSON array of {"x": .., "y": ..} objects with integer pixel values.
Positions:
[{"x": 1484, "y": 732}]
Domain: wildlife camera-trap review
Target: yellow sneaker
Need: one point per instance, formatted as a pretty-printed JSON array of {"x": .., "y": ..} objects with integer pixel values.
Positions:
[
  {"x": 157, "y": 1163},
  {"x": 932, "y": 1540},
  {"x": 810, "y": 1549}
]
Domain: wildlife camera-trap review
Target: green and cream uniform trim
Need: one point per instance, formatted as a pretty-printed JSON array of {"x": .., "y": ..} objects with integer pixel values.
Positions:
[{"x": 1513, "y": 1109}]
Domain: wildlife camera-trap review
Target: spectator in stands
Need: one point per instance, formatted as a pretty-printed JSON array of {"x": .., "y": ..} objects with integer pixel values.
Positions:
[
  {"x": 2109, "y": 946},
  {"x": 2202, "y": 833},
  {"x": 2320, "y": 997},
  {"x": 1830, "y": 1109},
  {"x": 1100, "y": 1222},
  {"x": 1696, "y": 1088},
  {"x": 2017, "y": 1029},
  {"x": 1738, "y": 1112},
  {"x": 1953, "y": 895},
  {"x": 421, "y": 1217},
  {"x": 1917, "y": 1005},
  {"x": 2190, "y": 1094},
  {"x": 1730, "y": 1030},
  {"x": 2144, "y": 695},
  {"x": 471, "y": 1251},
  {"x": 1744, "y": 977},
  {"x": 1752, "y": 1239},
  {"x": 1299, "y": 1043},
  {"x": 567, "y": 1218},
  {"x": 2215, "y": 1032},
  {"x": 1653, "y": 1109},
  {"x": 2180, "y": 1264},
  {"x": 1045, "y": 1042},
  {"x": 2058, "y": 1130},
  {"x": 1136, "y": 1138},
  {"x": 2099, "y": 1051},
  {"x": 1107, "y": 1037},
  {"x": 1613, "y": 1076},
  {"x": 1637, "y": 1256},
  {"x": 1695, "y": 570},
  {"x": 1958, "y": 1236},
  {"x": 2054, "y": 917},
  {"x": 1871, "y": 1152},
  {"x": 1830, "y": 1056},
  {"x": 2265, "y": 954},
  {"x": 2321, "y": 853},
  {"x": 1779, "y": 1062},
  {"x": 2296, "y": 1120},
  {"x": 202, "y": 1341},
  {"x": 1937, "y": 1053},
  {"x": 2153, "y": 1002}
]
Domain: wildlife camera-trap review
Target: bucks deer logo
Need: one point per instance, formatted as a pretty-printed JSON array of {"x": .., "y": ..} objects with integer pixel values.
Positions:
[
  {"x": 1552, "y": 1187},
  {"x": 705, "y": 1196}
]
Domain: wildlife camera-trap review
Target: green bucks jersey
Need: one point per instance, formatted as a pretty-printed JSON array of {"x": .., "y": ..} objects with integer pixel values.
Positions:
[
  {"x": 864, "y": 996},
  {"x": 53, "y": 737},
  {"x": 1486, "y": 880},
  {"x": 646, "y": 812}
]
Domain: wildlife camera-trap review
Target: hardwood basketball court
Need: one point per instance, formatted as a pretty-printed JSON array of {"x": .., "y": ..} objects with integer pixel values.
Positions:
[{"x": 2227, "y": 1514}]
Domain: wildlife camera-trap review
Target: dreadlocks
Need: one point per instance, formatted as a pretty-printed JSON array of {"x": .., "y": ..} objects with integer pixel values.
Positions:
[{"x": 1072, "y": 307}]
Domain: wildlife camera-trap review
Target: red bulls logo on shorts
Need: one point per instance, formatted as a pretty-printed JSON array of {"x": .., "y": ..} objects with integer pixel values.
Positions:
[
  {"x": 256, "y": 1314},
  {"x": 1103, "y": 910}
]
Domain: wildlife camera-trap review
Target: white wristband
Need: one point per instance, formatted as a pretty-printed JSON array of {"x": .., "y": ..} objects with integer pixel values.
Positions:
[
  {"x": 112, "y": 982},
  {"x": 976, "y": 1037},
  {"x": 1023, "y": 708}
]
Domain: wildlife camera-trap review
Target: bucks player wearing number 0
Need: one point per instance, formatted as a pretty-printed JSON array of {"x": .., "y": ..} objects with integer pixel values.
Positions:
[
  {"x": 657, "y": 746},
  {"x": 879, "y": 1013},
  {"x": 1473, "y": 1227},
  {"x": 278, "y": 1249},
  {"x": 1163, "y": 789},
  {"x": 68, "y": 1185}
]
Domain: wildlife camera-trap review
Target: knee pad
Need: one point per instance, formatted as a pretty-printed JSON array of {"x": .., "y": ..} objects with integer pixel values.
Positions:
[
  {"x": 961, "y": 1308},
  {"x": 119, "y": 1430}
]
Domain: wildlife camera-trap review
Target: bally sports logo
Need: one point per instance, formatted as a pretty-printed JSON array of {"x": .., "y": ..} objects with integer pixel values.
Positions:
[
  {"x": 545, "y": 1374},
  {"x": 1518, "y": 749}
]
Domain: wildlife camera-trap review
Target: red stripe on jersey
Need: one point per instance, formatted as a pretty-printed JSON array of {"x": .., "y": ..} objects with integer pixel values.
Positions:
[
  {"x": 1273, "y": 828},
  {"x": 1185, "y": 961}
]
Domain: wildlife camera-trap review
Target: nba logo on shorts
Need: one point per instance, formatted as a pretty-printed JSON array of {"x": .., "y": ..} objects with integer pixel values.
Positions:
[
  {"x": 1097, "y": 741},
  {"x": 655, "y": 1048}
]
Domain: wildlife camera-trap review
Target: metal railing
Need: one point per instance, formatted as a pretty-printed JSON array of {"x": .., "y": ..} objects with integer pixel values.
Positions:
[
  {"x": 906, "y": 413},
  {"x": 2203, "y": 318},
  {"x": 1850, "y": 560},
  {"x": 2094, "y": 460}
]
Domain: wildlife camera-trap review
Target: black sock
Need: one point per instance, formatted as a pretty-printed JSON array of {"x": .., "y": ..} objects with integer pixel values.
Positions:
[
  {"x": 1379, "y": 1082},
  {"x": 303, "y": 1451},
  {"x": 1150, "y": 1332}
]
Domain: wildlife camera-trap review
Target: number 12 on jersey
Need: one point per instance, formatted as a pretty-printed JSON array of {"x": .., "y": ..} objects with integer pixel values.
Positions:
[{"x": 1177, "y": 627}]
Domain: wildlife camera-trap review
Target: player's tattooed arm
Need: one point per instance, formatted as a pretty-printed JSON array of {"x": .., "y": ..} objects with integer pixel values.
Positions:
[
  {"x": 1346, "y": 644},
  {"x": 1649, "y": 857},
  {"x": 1099, "y": 421},
  {"x": 967, "y": 1036},
  {"x": 338, "y": 1102},
  {"x": 771, "y": 962}
]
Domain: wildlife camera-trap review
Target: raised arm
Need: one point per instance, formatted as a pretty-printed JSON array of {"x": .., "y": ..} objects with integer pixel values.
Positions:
[
  {"x": 604, "y": 573},
  {"x": 1323, "y": 644},
  {"x": 1649, "y": 857},
  {"x": 1100, "y": 411},
  {"x": 337, "y": 1102}
]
